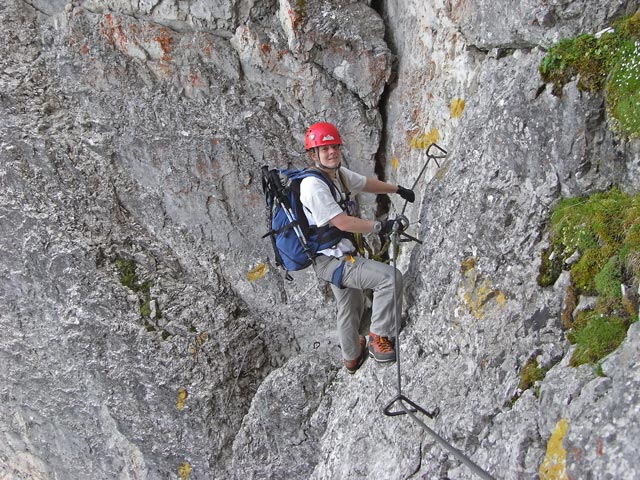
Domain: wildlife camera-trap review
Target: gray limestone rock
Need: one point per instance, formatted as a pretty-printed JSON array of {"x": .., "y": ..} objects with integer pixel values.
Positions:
[
  {"x": 134, "y": 343},
  {"x": 507, "y": 24},
  {"x": 296, "y": 400}
]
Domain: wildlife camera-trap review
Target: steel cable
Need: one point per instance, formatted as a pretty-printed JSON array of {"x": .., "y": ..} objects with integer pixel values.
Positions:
[{"x": 400, "y": 398}]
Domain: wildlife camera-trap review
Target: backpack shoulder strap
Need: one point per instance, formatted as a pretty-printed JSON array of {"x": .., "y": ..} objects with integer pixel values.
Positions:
[
  {"x": 312, "y": 171},
  {"x": 345, "y": 184}
]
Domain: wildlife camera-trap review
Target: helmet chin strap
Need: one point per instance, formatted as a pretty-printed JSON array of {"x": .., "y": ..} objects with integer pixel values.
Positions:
[
  {"x": 328, "y": 169},
  {"x": 320, "y": 166}
]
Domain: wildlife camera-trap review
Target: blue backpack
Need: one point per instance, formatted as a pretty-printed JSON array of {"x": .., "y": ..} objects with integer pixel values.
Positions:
[{"x": 295, "y": 242}]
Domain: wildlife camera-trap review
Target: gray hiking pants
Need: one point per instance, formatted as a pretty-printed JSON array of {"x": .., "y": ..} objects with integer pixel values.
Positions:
[{"x": 364, "y": 274}]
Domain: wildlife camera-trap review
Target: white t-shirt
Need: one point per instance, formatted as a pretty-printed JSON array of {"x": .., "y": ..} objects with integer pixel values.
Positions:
[{"x": 320, "y": 206}]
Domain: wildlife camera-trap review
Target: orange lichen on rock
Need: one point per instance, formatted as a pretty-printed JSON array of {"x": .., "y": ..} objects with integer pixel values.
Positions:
[
  {"x": 165, "y": 40},
  {"x": 113, "y": 31}
]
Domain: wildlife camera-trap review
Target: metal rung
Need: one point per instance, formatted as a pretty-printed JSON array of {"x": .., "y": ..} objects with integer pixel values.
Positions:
[{"x": 415, "y": 408}]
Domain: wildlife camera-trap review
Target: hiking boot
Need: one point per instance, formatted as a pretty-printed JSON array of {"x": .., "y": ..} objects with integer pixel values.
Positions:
[
  {"x": 381, "y": 349},
  {"x": 353, "y": 365}
]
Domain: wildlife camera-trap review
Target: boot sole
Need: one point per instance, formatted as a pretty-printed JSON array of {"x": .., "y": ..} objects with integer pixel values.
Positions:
[
  {"x": 361, "y": 360},
  {"x": 360, "y": 363},
  {"x": 382, "y": 360},
  {"x": 352, "y": 371}
]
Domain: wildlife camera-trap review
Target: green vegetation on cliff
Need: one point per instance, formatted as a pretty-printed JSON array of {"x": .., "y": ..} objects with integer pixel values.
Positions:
[
  {"x": 609, "y": 63},
  {"x": 129, "y": 278},
  {"x": 597, "y": 238}
]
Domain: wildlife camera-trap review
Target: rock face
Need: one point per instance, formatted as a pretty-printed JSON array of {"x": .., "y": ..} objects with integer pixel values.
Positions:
[{"x": 135, "y": 345}]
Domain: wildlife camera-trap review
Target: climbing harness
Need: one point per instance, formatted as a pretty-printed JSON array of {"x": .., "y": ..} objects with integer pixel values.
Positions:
[{"x": 398, "y": 230}]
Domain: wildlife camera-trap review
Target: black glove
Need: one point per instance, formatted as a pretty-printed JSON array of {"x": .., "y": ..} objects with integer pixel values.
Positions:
[
  {"x": 407, "y": 194},
  {"x": 387, "y": 226}
]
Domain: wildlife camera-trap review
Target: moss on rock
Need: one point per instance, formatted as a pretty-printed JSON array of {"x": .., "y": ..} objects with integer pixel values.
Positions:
[
  {"x": 129, "y": 278},
  {"x": 609, "y": 63},
  {"x": 603, "y": 229}
]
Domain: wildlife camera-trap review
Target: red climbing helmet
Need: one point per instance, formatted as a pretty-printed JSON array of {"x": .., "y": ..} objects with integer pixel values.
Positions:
[{"x": 321, "y": 134}]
